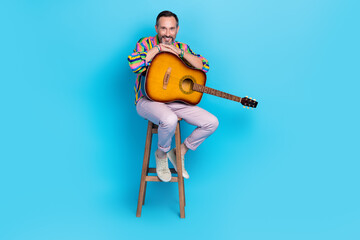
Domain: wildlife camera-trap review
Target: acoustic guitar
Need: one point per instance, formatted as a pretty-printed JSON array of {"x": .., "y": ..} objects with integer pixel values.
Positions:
[{"x": 170, "y": 79}]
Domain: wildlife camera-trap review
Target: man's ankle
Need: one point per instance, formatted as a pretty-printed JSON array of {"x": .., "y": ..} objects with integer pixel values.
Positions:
[
  {"x": 160, "y": 154},
  {"x": 184, "y": 149}
]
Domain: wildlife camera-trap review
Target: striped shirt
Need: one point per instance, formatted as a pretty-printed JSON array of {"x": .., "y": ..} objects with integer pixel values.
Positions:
[{"x": 138, "y": 64}]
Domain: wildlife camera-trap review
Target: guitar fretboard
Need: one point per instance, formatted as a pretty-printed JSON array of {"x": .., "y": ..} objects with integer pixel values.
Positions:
[{"x": 204, "y": 89}]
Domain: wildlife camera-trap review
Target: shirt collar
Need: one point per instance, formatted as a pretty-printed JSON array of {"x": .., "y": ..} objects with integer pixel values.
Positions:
[{"x": 157, "y": 39}]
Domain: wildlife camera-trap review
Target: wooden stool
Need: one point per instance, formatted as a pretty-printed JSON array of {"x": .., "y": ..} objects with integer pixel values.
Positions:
[{"x": 153, "y": 129}]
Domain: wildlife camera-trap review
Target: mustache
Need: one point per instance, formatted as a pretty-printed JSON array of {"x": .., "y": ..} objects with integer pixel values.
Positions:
[
  {"x": 163, "y": 38},
  {"x": 167, "y": 37}
]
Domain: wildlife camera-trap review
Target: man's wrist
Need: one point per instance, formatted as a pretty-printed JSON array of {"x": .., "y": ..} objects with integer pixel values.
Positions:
[
  {"x": 182, "y": 52},
  {"x": 158, "y": 47}
]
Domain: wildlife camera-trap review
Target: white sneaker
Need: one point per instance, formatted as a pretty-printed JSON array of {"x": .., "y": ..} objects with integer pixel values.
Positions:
[
  {"x": 172, "y": 156},
  {"x": 162, "y": 169}
]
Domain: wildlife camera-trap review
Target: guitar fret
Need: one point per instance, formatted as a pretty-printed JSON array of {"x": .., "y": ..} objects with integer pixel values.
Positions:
[{"x": 204, "y": 89}]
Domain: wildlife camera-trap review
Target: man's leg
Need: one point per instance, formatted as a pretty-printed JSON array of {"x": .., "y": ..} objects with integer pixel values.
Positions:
[
  {"x": 162, "y": 115},
  {"x": 166, "y": 119},
  {"x": 206, "y": 123}
]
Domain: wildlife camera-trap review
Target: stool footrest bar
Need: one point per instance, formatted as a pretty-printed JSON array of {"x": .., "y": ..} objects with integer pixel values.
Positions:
[
  {"x": 156, "y": 179},
  {"x": 153, "y": 170}
]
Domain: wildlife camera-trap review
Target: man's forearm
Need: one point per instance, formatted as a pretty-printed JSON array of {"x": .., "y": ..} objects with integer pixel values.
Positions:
[
  {"x": 151, "y": 54},
  {"x": 193, "y": 60}
]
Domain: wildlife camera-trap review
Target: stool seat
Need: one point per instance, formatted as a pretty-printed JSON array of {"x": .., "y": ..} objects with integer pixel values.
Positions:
[{"x": 153, "y": 129}]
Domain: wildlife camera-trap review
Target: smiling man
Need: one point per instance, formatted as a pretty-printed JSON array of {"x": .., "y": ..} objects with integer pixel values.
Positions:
[{"x": 166, "y": 114}]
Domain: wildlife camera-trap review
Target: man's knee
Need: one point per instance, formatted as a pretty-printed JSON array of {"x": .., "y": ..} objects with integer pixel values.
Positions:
[
  {"x": 169, "y": 121},
  {"x": 212, "y": 123}
]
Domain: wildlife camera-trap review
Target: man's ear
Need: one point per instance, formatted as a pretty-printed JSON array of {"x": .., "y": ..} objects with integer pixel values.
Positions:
[
  {"x": 178, "y": 27},
  {"x": 156, "y": 29}
]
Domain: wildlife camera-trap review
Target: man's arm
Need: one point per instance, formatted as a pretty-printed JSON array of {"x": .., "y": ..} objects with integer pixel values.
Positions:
[
  {"x": 140, "y": 58},
  {"x": 195, "y": 60},
  {"x": 151, "y": 53}
]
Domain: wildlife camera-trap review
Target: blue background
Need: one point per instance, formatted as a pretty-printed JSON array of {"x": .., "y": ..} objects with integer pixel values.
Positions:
[{"x": 72, "y": 143}]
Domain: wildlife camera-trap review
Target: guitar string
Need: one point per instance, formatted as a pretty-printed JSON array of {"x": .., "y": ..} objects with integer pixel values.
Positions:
[{"x": 208, "y": 90}]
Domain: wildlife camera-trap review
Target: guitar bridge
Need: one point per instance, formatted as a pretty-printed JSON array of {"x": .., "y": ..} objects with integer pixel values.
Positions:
[{"x": 166, "y": 78}]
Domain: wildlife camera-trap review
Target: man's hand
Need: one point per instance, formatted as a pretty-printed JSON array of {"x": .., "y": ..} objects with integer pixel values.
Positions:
[
  {"x": 192, "y": 59},
  {"x": 169, "y": 48},
  {"x": 164, "y": 48}
]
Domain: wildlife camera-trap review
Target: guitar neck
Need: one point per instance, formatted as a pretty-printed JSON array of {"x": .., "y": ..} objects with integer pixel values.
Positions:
[{"x": 204, "y": 89}]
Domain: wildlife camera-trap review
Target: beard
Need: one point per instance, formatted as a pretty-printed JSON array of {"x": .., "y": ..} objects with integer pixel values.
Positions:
[{"x": 165, "y": 39}]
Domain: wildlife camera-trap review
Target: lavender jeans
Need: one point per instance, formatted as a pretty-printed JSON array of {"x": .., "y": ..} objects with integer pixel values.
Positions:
[{"x": 166, "y": 116}]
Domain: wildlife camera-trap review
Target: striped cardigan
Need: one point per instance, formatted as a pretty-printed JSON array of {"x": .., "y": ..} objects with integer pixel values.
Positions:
[{"x": 138, "y": 64}]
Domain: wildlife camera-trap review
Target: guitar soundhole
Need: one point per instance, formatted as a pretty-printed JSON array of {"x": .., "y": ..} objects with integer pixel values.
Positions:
[{"x": 186, "y": 85}]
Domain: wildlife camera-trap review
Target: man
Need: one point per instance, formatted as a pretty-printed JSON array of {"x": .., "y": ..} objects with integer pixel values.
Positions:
[{"x": 166, "y": 114}]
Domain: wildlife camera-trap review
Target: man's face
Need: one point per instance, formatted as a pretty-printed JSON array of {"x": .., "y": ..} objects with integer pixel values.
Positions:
[{"x": 166, "y": 29}]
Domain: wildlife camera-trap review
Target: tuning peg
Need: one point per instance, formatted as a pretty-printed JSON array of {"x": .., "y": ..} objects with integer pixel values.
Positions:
[
  {"x": 254, "y": 99},
  {"x": 247, "y": 96},
  {"x": 250, "y": 98},
  {"x": 244, "y": 107},
  {"x": 248, "y": 107}
]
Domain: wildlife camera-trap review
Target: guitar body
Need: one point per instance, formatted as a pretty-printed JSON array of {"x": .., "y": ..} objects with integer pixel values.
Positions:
[{"x": 169, "y": 79}]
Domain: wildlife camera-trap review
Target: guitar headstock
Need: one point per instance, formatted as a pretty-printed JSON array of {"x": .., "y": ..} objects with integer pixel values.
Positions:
[{"x": 249, "y": 102}]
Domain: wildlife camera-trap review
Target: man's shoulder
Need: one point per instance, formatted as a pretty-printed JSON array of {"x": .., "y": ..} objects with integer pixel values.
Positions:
[
  {"x": 181, "y": 44},
  {"x": 146, "y": 39}
]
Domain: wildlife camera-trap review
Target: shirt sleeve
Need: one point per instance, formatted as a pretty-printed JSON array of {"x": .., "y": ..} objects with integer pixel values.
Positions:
[
  {"x": 205, "y": 62},
  {"x": 137, "y": 60}
]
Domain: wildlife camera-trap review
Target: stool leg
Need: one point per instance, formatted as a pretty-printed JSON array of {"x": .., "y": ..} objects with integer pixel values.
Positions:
[
  {"x": 144, "y": 193},
  {"x": 184, "y": 193},
  {"x": 144, "y": 169},
  {"x": 179, "y": 168},
  {"x": 147, "y": 172}
]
